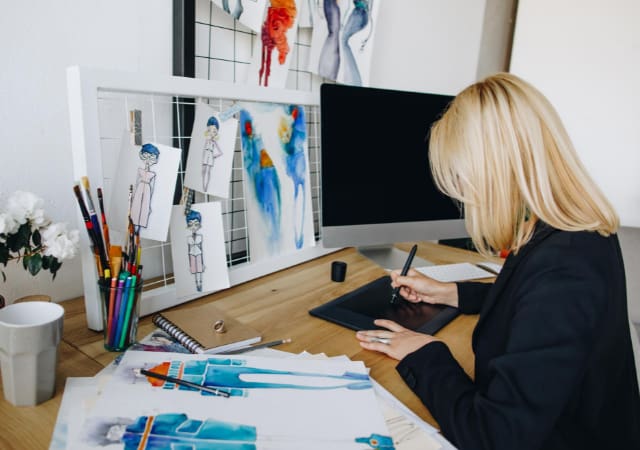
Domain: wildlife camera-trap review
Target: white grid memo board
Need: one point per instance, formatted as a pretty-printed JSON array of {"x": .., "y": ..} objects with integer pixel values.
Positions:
[{"x": 99, "y": 105}]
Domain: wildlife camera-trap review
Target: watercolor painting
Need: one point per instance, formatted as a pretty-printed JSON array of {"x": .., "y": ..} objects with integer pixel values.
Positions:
[
  {"x": 151, "y": 170},
  {"x": 270, "y": 407},
  {"x": 198, "y": 250},
  {"x": 248, "y": 12},
  {"x": 211, "y": 148},
  {"x": 272, "y": 52},
  {"x": 276, "y": 179},
  {"x": 342, "y": 40}
]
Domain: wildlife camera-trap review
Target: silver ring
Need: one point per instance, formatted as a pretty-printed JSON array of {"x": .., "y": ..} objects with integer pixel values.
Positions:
[
  {"x": 385, "y": 341},
  {"x": 219, "y": 327}
]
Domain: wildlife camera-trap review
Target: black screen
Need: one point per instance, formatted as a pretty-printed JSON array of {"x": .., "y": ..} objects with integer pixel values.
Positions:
[{"x": 375, "y": 166}]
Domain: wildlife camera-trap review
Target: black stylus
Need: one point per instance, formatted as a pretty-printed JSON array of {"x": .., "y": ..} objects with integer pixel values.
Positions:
[{"x": 405, "y": 270}]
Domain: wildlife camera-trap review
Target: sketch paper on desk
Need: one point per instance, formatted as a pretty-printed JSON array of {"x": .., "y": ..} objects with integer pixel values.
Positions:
[
  {"x": 211, "y": 152},
  {"x": 272, "y": 52},
  {"x": 248, "y": 12},
  {"x": 342, "y": 40},
  {"x": 273, "y": 403},
  {"x": 277, "y": 181},
  {"x": 152, "y": 169},
  {"x": 197, "y": 249}
]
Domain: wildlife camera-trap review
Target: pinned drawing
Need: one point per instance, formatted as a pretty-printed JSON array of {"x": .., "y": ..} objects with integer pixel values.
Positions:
[
  {"x": 197, "y": 249},
  {"x": 211, "y": 148},
  {"x": 248, "y": 12},
  {"x": 152, "y": 171},
  {"x": 264, "y": 412},
  {"x": 272, "y": 52},
  {"x": 278, "y": 199},
  {"x": 342, "y": 40}
]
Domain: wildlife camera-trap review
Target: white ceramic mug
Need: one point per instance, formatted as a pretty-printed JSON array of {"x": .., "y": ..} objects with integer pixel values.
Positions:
[{"x": 29, "y": 336}]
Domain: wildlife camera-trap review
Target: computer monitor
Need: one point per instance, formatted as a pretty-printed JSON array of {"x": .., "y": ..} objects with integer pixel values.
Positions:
[{"x": 376, "y": 182}]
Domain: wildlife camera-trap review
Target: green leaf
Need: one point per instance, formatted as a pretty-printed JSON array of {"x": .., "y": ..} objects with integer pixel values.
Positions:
[
  {"x": 37, "y": 239},
  {"x": 46, "y": 261},
  {"x": 21, "y": 239},
  {"x": 4, "y": 254},
  {"x": 35, "y": 264}
]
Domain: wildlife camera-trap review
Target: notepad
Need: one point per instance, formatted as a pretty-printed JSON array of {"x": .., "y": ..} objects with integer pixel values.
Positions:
[{"x": 193, "y": 328}]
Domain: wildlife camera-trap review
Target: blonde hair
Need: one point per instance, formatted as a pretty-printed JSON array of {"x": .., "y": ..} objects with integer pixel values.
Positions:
[{"x": 501, "y": 150}]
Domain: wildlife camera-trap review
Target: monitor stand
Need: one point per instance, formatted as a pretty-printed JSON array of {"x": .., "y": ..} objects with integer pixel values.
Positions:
[{"x": 390, "y": 258}]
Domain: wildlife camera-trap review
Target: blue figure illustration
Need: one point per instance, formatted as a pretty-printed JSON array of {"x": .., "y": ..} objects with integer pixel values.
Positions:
[
  {"x": 211, "y": 150},
  {"x": 357, "y": 20},
  {"x": 177, "y": 431},
  {"x": 293, "y": 136},
  {"x": 194, "y": 247},
  {"x": 145, "y": 182},
  {"x": 237, "y": 11},
  {"x": 329, "y": 62},
  {"x": 226, "y": 374},
  {"x": 263, "y": 177}
]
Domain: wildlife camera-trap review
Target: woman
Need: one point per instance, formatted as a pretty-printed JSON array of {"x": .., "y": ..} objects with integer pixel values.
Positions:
[{"x": 554, "y": 366}]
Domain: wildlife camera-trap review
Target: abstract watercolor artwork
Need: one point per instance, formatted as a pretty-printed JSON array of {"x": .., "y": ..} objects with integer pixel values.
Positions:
[
  {"x": 272, "y": 50},
  {"x": 342, "y": 40},
  {"x": 151, "y": 170},
  {"x": 274, "y": 403},
  {"x": 248, "y": 12},
  {"x": 197, "y": 249},
  {"x": 276, "y": 178},
  {"x": 211, "y": 149}
]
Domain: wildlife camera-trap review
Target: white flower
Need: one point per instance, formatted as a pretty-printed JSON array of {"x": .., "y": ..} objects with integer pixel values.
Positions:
[
  {"x": 23, "y": 206},
  {"x": 58, "y": 242},
  {"x": 8, "y": 225}
]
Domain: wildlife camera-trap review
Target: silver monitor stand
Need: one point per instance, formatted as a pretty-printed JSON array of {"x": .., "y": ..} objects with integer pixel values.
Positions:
[{"x": 390, "y": 258}]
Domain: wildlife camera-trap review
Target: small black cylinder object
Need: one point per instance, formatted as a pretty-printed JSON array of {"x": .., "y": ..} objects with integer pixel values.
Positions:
[{"x": 338, "y": 270}]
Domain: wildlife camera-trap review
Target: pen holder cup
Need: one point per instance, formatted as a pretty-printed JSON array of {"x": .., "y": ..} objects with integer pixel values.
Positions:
[{"x": 120, "y": 311}]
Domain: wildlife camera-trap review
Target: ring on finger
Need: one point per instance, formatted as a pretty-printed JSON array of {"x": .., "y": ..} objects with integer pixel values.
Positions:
[{"x": 381, "y": 340}]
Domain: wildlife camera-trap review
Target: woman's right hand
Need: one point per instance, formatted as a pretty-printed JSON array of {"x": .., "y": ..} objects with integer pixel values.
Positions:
[{"x": 417, "y": 287}]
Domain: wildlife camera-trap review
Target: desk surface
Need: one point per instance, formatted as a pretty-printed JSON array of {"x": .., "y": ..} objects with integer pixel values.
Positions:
[{"x": 276, "y": 305}]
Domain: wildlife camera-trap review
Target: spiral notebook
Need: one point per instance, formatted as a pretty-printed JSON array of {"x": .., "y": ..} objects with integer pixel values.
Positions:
[{"x": 193, "y": 329}]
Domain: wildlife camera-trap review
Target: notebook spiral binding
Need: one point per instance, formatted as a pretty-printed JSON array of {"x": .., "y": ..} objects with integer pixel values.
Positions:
[{"x": 176, "y": 332}]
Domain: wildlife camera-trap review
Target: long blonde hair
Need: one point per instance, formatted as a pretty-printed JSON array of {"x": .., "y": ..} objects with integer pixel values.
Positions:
[{"x": 501, "y": 150}]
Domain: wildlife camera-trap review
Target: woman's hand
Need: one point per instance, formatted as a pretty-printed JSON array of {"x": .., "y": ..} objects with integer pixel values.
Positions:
[
  {"x": 417, "y": 287},
  {"x": 396, "y": 341}
]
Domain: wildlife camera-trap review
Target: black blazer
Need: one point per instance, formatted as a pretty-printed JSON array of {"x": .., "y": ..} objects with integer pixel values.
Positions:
[{"x": 554, "y": 365}]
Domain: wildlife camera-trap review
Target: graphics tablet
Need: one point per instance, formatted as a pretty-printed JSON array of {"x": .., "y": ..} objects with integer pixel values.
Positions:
[{"x": 358, "y": 309}]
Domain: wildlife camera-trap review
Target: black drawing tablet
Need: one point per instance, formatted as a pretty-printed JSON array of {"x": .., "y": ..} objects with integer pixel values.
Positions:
[{"x": 358, "y": 309}]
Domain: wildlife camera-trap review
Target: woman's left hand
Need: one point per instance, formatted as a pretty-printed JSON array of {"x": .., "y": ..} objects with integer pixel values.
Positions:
[{"x": 396, "y": 341}]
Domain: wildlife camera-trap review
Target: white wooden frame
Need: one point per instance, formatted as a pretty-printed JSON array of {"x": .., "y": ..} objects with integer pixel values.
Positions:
[{"x": 84, "y": 86}]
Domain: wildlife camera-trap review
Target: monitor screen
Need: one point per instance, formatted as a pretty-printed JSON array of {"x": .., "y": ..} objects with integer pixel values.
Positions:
[{"x": 376, "y": 182}]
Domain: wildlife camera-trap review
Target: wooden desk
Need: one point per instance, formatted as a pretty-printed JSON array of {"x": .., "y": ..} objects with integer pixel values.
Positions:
[{"x": 276, "y": 305}]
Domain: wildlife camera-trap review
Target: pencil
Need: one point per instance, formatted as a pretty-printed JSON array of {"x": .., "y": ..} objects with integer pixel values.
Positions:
[
  {"x": 181, "y": 382},
  {"x": 249, "y": 348},
  {"x": 105, "y": 227}
]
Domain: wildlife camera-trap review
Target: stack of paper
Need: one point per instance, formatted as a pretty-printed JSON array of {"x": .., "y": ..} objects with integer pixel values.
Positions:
[{"x": 277, "y": 400}]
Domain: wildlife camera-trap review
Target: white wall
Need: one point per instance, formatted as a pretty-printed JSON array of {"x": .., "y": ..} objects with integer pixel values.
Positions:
[{"x": 38, "y": 41}]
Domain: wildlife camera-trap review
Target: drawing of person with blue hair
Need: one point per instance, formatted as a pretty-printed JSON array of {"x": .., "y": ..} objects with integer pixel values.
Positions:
[
  {"x": 357, "y": 20},
  {"x": 237, "y": 11},
  {"x": 145, "y": 182},
  {"x": 211, "y": 150},
  {"x": 194, "y": 247}
]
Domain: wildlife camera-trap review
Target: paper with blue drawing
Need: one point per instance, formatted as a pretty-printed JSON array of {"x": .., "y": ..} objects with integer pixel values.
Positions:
[
  {"x": 273, "y": 404},
  {"x": 276, "y": 179}
]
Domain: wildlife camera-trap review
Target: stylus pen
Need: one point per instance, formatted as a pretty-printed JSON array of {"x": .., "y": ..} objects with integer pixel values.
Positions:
[
  {"x": 185, "y": 383},
  {"x": 405, "y": 270}
]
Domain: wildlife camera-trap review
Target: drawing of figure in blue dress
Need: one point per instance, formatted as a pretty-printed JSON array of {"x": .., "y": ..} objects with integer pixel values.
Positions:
[
  {"x": 263, "y": 177},
  {"x": 293, "y": 135},
  {"x": 357, "y": 20},
  {"x": 232, "y": 376},
  {"x": 237, "y": 10},
  {"x": 194, "y": 247},
  {"x": 179, "y": 431},
  {"x": 211, "y": 150},
  {"x": 145, "y": 182}
]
